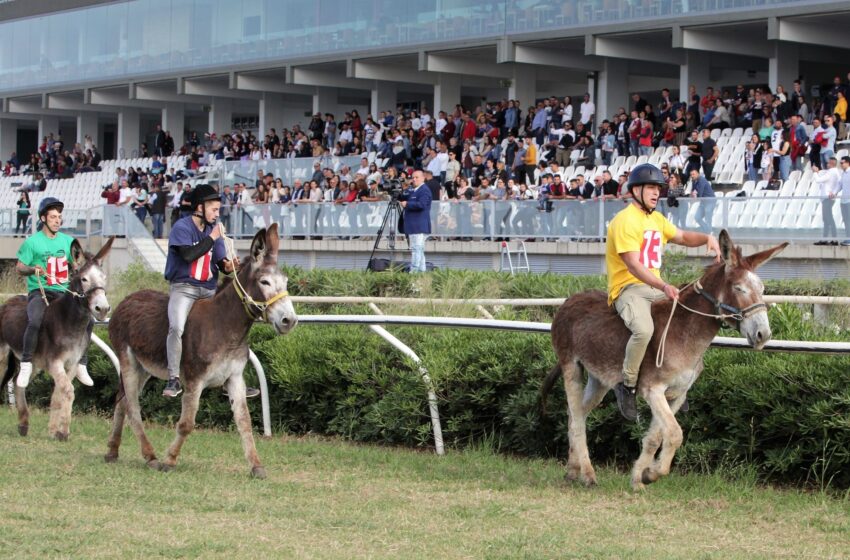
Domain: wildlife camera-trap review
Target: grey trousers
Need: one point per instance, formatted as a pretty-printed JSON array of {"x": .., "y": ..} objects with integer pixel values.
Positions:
[
  {"x": 845, "y": 217},
  {"x": 829, "y": 229},
  {"x": 180, "y": 301}
]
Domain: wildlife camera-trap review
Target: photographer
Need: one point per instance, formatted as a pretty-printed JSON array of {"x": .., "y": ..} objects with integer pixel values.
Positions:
[{"x": 417, "y": 220}]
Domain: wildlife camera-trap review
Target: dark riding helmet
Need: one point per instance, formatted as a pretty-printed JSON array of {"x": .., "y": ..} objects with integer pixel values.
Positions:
[
  {"x": 49, "y": 202},
  {"x": 204, "y": 193},
  {"x": 644, "y": 174}
]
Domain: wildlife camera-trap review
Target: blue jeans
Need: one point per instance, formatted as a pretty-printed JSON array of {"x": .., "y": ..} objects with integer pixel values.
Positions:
[
  {"x": 158, "y": 221},
  {"x": 417, "y": 249},
  {"x": 705, "y": 213},
  {"x": 784, "y": 167},
  {"x": 824, "y": 157}
]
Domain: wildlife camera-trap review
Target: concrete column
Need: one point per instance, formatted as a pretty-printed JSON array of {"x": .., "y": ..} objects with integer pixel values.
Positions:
[
  {"x": 612, "y": 88},
  {"x": 46, "y": 125},
  {"x": 271, "y": 113},
  {"x": 783, "y": 65},
  {"x": 174, "y": 121},
  {"x": 446, "y": 93},
  {"x": 129, "y": 135},
  {"x": 86, "y": 125},
  {"x": 694, "y": 72},
  {"x": 325, "y": 100},
  {"x": 8, "y": 138},
  {"x": 221, "y": 116},
  {"x": 524, "y": 86},
  {"x": 384, "y": 98}
]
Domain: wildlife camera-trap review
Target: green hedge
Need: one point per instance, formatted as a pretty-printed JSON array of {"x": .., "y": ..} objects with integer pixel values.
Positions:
[{"x": 785, "y": 416}]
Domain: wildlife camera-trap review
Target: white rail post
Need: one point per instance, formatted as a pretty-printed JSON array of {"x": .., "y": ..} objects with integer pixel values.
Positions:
[
  {"x": 264, "y": 393},
  {"x": 432, "y": 396}
]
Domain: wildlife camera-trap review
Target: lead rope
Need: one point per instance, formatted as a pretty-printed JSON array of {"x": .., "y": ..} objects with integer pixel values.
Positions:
[
  {"x": 240, "y": 290},
  {"x": 58, "y": 284},
  {"x": 662, "y": 345}
]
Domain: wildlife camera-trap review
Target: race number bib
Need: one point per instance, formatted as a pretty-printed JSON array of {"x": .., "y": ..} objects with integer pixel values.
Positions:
[
  {"x": 57, "y": 271},
  {"x": 650, "y": 249}
]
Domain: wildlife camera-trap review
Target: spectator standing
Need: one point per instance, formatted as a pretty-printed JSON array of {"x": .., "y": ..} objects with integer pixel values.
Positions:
[
  {"x": 845, "y": 198},
  {"x": 701, "y": 188},
  {"x": 23, "y": 214},
  {"x": 829, "y": 181},
  {"x": 828, "y": 137},
  {"x": 111, "y": 193},
  {"x": 587, "y": 112},
  {"x": 158, "y": 201},
  {"x": 709, "y": 153},
  {"x": 417, "y": 220}
]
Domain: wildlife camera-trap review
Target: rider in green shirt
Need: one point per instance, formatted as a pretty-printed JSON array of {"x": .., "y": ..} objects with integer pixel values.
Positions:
[{"x": 45, "y": 259}]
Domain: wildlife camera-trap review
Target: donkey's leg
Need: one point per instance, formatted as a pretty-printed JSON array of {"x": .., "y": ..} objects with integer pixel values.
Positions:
[
  {"x": 242, "y": 418},
  {"x": 651, "y": 442},
  {"x": 117, "y": 429},
  {"x": 133, "y": 377},
  {"x": 23, "y": 410},
  {"x": 60, "y": 402},
  {"x": 191, "y": 398},
  {"x": 670, "y": 435},
  {"x": 578, "y": 463}
]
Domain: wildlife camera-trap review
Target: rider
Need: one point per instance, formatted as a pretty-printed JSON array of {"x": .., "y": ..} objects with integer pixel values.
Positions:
[
  {"x": 45, "y": 259},
  {"x": 196, "y": 253},
  {"x": 636, "y": 238}
]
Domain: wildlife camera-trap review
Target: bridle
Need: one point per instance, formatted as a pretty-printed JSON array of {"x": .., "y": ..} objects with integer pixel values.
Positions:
[
  {"x": 253, "y": 308},
  {"x": 731, "y": 312},
  {"x": 79, "y": 295}
]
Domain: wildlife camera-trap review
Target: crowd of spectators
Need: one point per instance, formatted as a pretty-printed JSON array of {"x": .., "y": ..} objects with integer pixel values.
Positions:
[{"x": 54, "y": 160}]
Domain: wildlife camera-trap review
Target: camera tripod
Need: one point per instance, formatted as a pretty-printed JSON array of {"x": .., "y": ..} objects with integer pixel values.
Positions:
[{"x": 391, "y": 218}]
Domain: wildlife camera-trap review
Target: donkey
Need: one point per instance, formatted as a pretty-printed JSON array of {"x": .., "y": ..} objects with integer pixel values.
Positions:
[
  {"x": 588, "y": 335},
  {"x": 63, "y": 339},
  {"x": 215, "y": 348}
]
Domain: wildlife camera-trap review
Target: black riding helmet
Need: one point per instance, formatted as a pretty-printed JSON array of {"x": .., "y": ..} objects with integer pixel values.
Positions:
[
  {"x": 201, "y": 194},
  {"x": 644, "y": 174},
  {"x": 45, "y": 205}
]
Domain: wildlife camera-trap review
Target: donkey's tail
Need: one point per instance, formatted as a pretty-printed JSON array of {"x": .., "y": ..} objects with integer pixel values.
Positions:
[
  {"x": 11, "y": 367},
  {"x": 548, "y": 383}
]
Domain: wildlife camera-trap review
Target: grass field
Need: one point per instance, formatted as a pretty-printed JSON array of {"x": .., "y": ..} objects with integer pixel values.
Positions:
[{"x": 331, "y": 499}]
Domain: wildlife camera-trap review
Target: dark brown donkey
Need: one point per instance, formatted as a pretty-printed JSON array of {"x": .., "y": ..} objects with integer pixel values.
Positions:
[
  {"x": 215, "y": 348},
  {"x": 588, "y": 335},
  {"x": 62, "y": 340}
]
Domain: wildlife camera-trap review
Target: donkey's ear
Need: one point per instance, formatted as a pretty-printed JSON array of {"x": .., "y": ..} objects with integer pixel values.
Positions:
[
  {"x": 272, "y": 242},
  {"x": 78, "y": 256},
  {"x": 98, "y": 258},
  {"x": 259, "y": 246},
  {"x": 727, "y": 250},
  {"x": 756, "y": 260}
]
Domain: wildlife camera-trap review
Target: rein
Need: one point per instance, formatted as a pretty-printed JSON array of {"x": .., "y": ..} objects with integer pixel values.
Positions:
[
  {"x": 732, "y": 312},
  {"x": 62, "y": 288},
  {"x": 253, "y": 308}
]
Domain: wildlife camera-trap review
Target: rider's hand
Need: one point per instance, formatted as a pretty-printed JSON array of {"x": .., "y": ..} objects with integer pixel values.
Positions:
[
  {"x": 671, "y": 291},
  {"x": 216, "y": 232},
  {"x": 39, "y": 271},
  {"x": 713, "y": 247}
]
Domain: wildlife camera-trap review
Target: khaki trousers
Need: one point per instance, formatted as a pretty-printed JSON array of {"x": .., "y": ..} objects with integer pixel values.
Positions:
[{"x": 634, "y": 305}]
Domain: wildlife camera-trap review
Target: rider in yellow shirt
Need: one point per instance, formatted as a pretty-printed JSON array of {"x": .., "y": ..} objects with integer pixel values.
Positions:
[{"x": 635, "y": 244}]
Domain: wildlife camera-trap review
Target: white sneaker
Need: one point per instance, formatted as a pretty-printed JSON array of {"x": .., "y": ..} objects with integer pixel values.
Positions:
[
  {"x": 83, "y": 375},
  {"x": 24, "y": 374}
]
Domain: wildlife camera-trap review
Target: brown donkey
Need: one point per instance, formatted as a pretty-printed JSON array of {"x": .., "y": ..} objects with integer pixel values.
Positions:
[
  {"x": 588, "y": 335},
  {"x": 215, "y": 348},
  {"x": 63, "y": 339}
]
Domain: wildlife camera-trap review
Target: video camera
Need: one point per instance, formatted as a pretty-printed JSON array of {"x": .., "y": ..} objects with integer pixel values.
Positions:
[{"x": 395, "y": 189}]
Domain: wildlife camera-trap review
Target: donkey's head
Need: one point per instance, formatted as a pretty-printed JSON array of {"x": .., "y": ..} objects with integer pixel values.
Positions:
[
  {"x": 89, "y": 278},
  {"x": 267, "y": 284},
  {"x": 741, "y": 291}
]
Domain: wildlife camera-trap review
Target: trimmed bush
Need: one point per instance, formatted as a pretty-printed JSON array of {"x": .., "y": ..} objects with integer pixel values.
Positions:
[{"x": 785, "y": 416}]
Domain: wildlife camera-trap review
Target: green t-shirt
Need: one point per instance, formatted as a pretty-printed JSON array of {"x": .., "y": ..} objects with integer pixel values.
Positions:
[{"x": 54, "y": 255}]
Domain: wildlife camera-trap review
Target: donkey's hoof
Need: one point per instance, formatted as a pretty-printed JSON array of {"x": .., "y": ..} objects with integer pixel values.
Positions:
[
  {"x": 258, "y": 473},
  {"x": 648, "y": 476},
  {"x": 110, "y": 458},
  {"x": 61, "y": 436},
  {"x": 154, "y": 464},
  {"x": 165, "y": 467},
  {"x": 23, "y": 430},
  {"x": 638, "y": 486}
]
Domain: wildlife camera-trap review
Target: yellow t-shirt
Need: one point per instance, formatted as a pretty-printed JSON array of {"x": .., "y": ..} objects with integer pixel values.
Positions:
[{"x": 633, "y": 230}]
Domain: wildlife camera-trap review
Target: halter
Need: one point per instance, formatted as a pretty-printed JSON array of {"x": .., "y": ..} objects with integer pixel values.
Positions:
[
  {"x": 731, "y": 312},
  {"x": 79, "y": 295},
  {"x": 253, "y": 308}
]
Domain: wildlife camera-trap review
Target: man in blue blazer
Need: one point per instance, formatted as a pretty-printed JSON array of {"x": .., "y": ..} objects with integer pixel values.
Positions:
[{"x": 417, "y": 220}]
